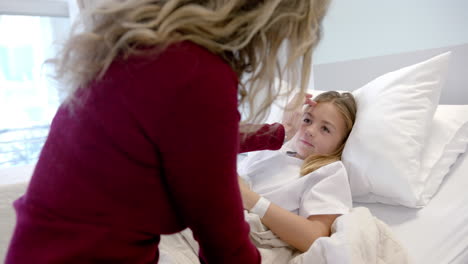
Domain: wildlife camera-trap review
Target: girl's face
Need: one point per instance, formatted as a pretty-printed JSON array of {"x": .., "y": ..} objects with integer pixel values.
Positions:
[{"x": 322, "y": 131}]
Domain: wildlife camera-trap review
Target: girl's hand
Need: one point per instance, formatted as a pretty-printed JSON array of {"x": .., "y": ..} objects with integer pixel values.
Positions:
[
  {"x": 249, "y": 197},
  {"x": 242, "y": 184},
  {"x": 293, "y": 112}
]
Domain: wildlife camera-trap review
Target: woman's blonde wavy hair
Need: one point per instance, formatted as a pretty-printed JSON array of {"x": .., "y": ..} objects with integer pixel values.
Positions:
[
  {"x": 247, "y": 34},
  {"x": 346, "y": 106}
]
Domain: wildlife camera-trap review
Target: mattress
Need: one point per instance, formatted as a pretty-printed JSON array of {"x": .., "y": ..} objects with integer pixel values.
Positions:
[{"x": 437, "y": 233}]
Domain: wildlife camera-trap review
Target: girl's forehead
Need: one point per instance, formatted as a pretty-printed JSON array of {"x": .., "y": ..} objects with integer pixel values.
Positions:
[
  {"x": 327, "y": 111},
  {"x": 323, "y": 106}
]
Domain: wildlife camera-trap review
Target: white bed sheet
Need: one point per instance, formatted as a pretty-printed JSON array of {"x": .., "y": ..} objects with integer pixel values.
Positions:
[{"x": 437, "y": 233}]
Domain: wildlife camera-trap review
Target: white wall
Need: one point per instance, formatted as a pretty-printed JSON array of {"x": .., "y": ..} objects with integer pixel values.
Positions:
[{"x": 366, "y": 28}]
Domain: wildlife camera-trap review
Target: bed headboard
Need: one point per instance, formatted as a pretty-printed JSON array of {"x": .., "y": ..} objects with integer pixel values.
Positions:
[{"x": 350, "y": 75}]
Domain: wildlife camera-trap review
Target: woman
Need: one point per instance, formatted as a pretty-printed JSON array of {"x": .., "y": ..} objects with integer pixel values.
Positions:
[
  {"x": 305, "y": 181},
  {"x": 153, "y": 95}
]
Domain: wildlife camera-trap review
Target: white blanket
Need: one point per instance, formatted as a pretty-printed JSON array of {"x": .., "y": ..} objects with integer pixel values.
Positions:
[{"x": 357, "y": 237}]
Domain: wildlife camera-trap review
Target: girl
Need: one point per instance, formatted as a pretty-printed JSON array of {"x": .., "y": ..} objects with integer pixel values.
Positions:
[
  {"x": 153, "y": 94},
  {"x": 305, "y": 181}
]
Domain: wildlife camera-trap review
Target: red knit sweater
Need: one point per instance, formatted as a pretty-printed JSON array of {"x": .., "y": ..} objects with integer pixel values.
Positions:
[{"x": 152, "y": 150}]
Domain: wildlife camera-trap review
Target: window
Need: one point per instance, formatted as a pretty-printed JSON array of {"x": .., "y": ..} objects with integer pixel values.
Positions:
[{"x": 28, "y": 95}]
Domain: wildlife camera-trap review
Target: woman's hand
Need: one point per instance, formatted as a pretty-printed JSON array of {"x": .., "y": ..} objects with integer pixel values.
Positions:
[{"x": 293, "y": 112}]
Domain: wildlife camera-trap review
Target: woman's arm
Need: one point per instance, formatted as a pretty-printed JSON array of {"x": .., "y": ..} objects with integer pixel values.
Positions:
[
  {"x": 295, "y": 230},
  {"x": 266, "y": 136},
  {"x": 196, "y": 165}
]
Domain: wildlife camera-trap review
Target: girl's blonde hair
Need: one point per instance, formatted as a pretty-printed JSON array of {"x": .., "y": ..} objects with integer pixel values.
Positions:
[
  {"x": 346, "y": 106},
  {"x": 247, "y": 34}
]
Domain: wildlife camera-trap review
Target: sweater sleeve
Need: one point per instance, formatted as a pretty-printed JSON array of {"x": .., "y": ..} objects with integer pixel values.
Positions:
[
  {"x": 199, "y": 145},
  {"x": 266, "y": 137}
]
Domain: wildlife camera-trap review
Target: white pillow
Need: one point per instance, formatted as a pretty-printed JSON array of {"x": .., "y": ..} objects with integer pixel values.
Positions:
[
  {"x": 448, "y": 139},
  {"x": 384, "y": 151}
]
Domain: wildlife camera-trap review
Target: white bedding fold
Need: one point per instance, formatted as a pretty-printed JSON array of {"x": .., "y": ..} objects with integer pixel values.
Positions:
[{"x": 357, "y": 237}]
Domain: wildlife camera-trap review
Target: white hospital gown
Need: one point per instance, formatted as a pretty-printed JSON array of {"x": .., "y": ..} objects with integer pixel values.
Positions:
[{"x": 276, "y": 176}]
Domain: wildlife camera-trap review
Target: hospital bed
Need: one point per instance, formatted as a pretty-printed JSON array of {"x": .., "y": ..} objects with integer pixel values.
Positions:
[
  {"x": 434, "y": 234},
  {"x": 438, "y": 232}
]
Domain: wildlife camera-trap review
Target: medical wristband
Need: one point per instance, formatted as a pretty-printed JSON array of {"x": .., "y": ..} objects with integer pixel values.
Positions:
[{"x": 261, "y": 207}]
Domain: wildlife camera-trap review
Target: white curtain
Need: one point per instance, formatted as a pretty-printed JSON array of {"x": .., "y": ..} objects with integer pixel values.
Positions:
[
  {"x": 73, "y": 9},
  {"x": 77, "y": 7}
]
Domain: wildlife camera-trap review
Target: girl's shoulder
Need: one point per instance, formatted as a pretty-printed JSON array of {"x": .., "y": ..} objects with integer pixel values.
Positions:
[
  {"x": 333, "y": 169},
  {"x": 336, "y": 164}
]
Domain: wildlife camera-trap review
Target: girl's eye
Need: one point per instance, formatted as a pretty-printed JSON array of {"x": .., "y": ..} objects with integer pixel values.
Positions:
[
  {"x": 326, "y": 129},
  {"x": 307, "y": 120}
]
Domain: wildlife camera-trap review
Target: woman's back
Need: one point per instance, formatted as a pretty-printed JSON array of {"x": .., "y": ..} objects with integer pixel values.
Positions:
[{"x": 123, "y": 170}]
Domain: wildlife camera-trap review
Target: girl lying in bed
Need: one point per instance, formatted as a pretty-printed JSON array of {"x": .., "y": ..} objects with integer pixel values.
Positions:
[{"x": 299, "y": 190}]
